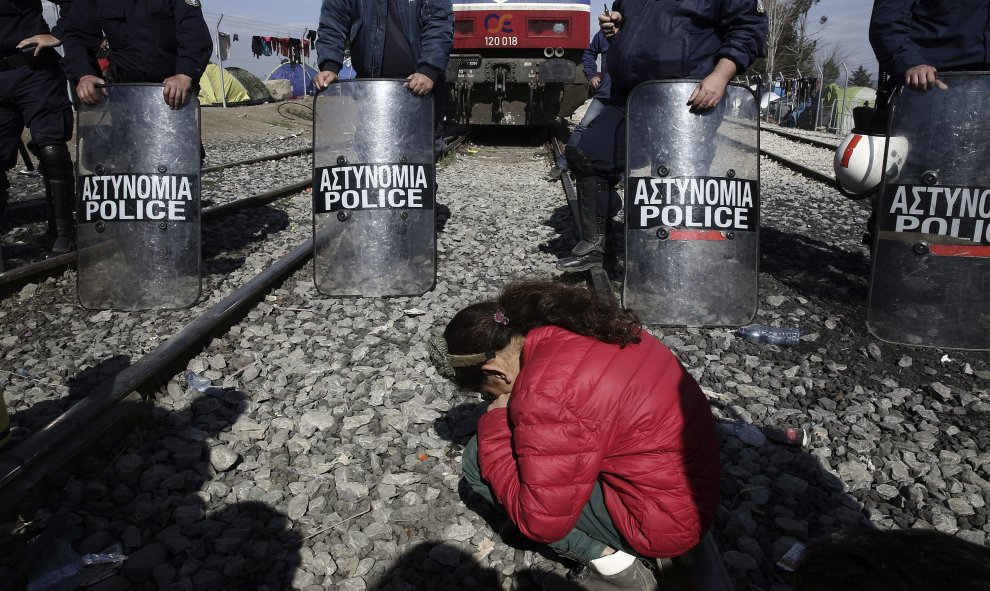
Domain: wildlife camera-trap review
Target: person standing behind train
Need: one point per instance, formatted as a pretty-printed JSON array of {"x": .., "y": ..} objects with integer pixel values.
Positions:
[
  {"x": 166, "y": 42},
  {"x": 709, "y": 39},
  {"x": 914, "y": 39},
  {"x": 409, "y": 39},
  {"x": 600, "y": 84},
  {"x": 33, "y": 93}
]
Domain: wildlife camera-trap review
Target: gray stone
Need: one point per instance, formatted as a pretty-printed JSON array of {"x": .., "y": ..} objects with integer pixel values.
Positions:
[{"x": 223, "y": 458}]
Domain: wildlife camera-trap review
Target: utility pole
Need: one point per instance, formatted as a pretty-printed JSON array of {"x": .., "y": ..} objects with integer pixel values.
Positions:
[
  {"x": 845, "y": 98},
  {"x": 223, "y": 88}
]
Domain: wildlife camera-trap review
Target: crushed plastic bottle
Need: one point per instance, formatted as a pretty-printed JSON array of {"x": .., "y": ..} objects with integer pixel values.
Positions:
[
  {"x": 775, "y": 335},
  {"x": 747, "y": 433},
  {"x": 202, "y": 384},
  {"x": 63, "y": 564}
]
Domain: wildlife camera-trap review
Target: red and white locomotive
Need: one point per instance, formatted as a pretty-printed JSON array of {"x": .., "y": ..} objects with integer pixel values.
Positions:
[{"x": 517, "y": 62}]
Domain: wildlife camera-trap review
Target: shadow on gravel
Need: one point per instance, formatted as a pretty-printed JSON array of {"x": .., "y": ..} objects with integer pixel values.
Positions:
[
  {"x": 562, "y": 222},
  {"x": 232, "y": 235},
  {"x": 503, "y": 135},
  {"x": 437, "y": 566},
  {"x": 814, "y": 268},
  {"x": 774, "y": 496},
  {"x": 151, "y": 491},
  {"x": 29, "y": 420}
]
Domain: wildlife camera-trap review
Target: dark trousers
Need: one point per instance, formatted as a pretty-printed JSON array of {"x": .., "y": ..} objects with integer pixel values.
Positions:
[
  {"x": 593, "y": 532},
  {"x": 37, "y": 97},
  {"x": 604, "y": 142}
]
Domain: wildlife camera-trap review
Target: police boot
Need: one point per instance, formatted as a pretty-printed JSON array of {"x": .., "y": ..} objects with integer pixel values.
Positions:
[
  {"x": 636, "y": 577},
  {"x": 56, "y": 166},
  {"x": 63, "y": 206},
  {"x": 591, "y": 228}
]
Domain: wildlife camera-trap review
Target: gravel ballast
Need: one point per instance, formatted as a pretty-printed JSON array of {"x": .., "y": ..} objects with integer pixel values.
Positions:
[{"x": 332, "y": 461}]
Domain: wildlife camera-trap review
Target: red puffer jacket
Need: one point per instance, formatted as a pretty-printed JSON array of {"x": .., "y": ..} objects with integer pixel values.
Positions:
[{"x": 582, "y": 410}]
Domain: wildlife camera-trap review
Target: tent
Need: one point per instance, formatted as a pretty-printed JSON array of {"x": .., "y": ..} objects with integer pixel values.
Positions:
[
  {"x": 295, "y": 73},
  {"x": 839, "y": 111},
  {"x": 240, "y": 87},
  {"x": 255, "y": 88}
]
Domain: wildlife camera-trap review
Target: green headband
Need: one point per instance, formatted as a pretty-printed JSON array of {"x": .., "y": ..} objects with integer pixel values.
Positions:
[{"x": 445, "y": 363}]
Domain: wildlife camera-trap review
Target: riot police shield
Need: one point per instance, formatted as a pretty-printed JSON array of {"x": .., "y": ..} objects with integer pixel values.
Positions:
[
  {"x": 138, "y": 201},
  {"x": 692, "y": 207},
  {"x": 930, "y": 270},
  {"x": 373, "y": 190}
]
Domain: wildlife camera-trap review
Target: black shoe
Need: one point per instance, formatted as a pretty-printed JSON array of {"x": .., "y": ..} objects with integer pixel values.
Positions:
[
  {"x": 62, "y": 245},
  {"x": 637, "y": 577},
  {"x": 582, "y": 263}
]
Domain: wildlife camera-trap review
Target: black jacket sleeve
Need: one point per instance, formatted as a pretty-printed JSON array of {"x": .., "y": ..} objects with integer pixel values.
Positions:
[
  {"x": 890, "y": 36},
  {"x": 81, "y": 36}
]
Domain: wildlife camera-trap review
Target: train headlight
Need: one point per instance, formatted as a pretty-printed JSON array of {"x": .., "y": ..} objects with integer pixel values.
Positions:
[
  {"x": 559, "y": 52},
  {"x": 547, "y": 28}
]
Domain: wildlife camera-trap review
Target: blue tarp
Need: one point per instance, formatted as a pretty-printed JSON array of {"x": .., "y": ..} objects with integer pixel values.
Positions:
[{"x": 295, "y": 74}]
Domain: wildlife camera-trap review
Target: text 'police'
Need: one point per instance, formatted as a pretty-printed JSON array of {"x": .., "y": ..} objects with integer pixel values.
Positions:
[
  {"x": 373, "y": 186},
  {"x": 703, "y": 203},
  {"x": 138, "y": 197},
  {"x": 960, "y": 212}
]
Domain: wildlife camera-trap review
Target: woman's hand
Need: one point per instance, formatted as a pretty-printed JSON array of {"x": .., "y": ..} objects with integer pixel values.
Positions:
[{"x": 500, "y": 402}]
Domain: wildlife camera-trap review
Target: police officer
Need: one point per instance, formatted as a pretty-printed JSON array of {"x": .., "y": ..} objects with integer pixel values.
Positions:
[
  {"x": 157, "y": 41},
  {"x": 713, "y": 40},
  {"x": 409, "y": 39},
  {"x": 33, "y": 93},
  {"x": 914, "y": 39}
]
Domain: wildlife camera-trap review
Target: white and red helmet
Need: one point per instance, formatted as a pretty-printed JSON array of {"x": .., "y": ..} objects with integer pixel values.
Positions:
[{"x": 859, "y": 161}]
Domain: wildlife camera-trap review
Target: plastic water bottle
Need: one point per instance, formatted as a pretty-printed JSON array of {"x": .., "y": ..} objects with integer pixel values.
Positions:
[
  {"x": 197, "y": 382},
  {"x": 202, "y": 384},
  {"x": 775, "y": 335}
]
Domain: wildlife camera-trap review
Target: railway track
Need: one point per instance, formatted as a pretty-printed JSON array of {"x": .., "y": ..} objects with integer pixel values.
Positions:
[
  {"x": 352, "y": 351},
  {"x": 36, "y": 457}
]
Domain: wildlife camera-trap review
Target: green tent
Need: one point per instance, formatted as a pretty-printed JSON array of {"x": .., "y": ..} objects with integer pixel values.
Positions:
[
  {"x": 256, "y": 89},
  {"x": 838, "y": 104},
  {"x": 240, "y": 87}
]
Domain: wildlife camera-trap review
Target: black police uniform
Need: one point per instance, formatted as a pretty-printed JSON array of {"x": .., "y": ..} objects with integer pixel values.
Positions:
[
  {"x": 150, "y": 40},
  {"x": 945, "y": 34},
  {"x": 657, "y": 40},
  {"x": 33, "y": 93}
]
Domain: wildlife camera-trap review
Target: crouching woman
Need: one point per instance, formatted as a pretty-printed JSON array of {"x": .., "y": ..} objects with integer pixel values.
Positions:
[{"x": 597, "y": 442}]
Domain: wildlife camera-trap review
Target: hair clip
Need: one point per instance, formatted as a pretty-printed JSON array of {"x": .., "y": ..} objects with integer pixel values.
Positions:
[{"x": 500, "y": 317}]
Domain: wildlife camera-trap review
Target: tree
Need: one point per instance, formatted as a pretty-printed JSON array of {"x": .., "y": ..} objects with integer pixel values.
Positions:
[
  {"x": 781, "y": 15},
  {"x": 830, "y": 58},
  {"x": 861, "y": 77},
  {"x": 791, "y": 46}
]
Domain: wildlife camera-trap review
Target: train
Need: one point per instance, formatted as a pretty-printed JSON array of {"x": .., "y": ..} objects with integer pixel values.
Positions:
[{"x": 517, "y": 62}]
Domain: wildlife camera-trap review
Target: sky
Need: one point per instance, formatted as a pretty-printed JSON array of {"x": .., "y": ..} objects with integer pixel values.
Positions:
[{"x": 847, "y": 25}]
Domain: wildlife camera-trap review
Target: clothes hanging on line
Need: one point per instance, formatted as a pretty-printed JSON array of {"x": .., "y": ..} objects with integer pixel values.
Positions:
[{"x": 223, "y": 46}]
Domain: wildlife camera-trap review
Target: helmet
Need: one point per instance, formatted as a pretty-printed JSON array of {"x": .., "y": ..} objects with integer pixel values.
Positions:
[{"x": 858, "y": 161}]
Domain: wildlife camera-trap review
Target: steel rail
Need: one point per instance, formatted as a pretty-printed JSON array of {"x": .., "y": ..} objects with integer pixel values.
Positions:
[{"x": 25, "y": 465}]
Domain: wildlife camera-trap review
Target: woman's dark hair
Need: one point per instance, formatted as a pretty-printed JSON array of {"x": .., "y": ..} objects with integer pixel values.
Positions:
[
  {"x": 528, "y": 304},
  {"x": 893, "y": 560}
]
